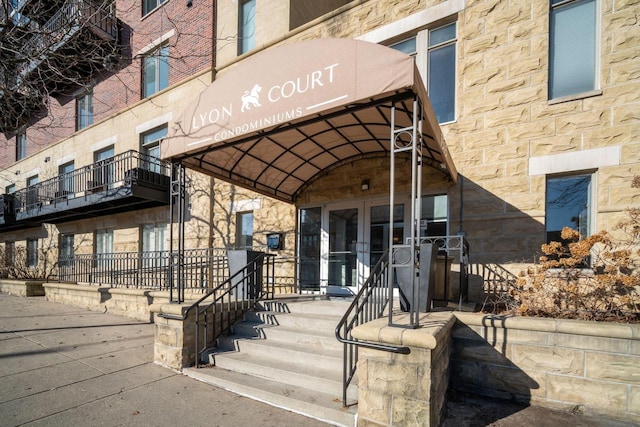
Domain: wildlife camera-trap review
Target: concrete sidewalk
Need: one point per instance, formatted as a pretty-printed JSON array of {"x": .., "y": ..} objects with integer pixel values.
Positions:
[{"x": 65, "y": 366}]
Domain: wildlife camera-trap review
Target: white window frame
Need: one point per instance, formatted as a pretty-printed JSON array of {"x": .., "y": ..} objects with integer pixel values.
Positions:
[
  {"x": 596, "y": 88},
  {"x": 21, "y": 146},
  {"x": 32, "y": 253},
  {"x": 146, "y": 11},
  {"x": 157, "y": 57},
  {"x": 240, "y": 243},
  {"x": 84, "y": 110},
  {"x": 243, "y": 24}
]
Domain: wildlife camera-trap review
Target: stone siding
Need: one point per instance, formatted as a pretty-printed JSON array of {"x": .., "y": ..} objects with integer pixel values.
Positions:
[
  {"x": 549, "y": 362},
  {"x": 22, "y": 288}
]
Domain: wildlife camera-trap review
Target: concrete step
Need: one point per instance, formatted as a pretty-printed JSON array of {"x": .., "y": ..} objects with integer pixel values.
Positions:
[
  {"x": 326, "y": 307},
  {"x": 314, "y": 404},
  {"x": 309, "y": 338},
  {"x": 291, "y": 352},
  {"x": 306, "y": 375},
  {"x": 317, "y": 322}
]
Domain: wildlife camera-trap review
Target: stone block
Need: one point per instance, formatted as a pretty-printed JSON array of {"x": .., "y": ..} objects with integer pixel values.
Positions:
[
  {"x": 555, "y": 145},
  {"x": 595, "y": 394},
  {"x": 630, "y": 153},
  {"x": 512, "y": 380},
  {"x": 406, "y": 411},
  {"x": 549, "y": 359},
  {"x": 613, "y": 367},
  {"x": 374, "y": 406},
  {"x": 507, "y": 116},
  {"x": 485, "y": 139},
  {"x": 396, "y": 379},
  {"x": 634, "y": 400},
  {"x": 584, "y": 342}
]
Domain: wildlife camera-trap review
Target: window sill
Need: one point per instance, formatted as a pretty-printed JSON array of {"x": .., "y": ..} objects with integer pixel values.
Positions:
[{"x": 575, "y": 97}]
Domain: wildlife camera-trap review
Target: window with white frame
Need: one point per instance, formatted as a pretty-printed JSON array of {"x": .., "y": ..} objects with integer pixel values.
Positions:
[
  {"x": 150, "y": 145},
  {"x": 84, "y": 110},
  {"x": 434, "y": 215},
  {"x": 21, "y": 146},
  {"x": 65, "y": 172},
  {"x": 66, "y": 250},
  {"x": 246, "y": 26},
  {"x": 10, "y": 189},
  {"x": 442, "y": 72},
  {"x": 32, "y": 253},
  {"x": 150, "y": 5},
  {"x": 437, "y": 49},
  {"x": 572, "y": 47},
  {"x": 32, "y": 191},
  {"x": 154, "y": 244},
  {"x": 103, "y": 248},
  {"x": 155, "y": 71},
  {"x": 244, "y": 230},
  {"x": 568, "y": 204}
]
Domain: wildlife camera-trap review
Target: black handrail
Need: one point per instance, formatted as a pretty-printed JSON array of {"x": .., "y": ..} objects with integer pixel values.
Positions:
[
  {"x": 230, "y": 300},
  {"x": 369, "y": 304}
]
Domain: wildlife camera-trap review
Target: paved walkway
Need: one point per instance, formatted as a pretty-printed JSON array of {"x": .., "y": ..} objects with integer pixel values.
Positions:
[{"x": 65, "y": 366}]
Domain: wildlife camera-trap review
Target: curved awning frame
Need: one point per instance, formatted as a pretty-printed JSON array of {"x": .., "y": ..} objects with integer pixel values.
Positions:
[{"x": 278, "y": 146}]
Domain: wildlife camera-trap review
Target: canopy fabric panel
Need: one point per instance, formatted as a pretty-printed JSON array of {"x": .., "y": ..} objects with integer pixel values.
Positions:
[{"x": 276, "y": 121}]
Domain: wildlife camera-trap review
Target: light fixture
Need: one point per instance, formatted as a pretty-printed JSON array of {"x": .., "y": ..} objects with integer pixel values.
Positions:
[
  {"x": 47, "y": 159},
  {"x": 18, "y": 172},
  {"x": 189, "y": 3},
  {"x": 364, "y": 185}
]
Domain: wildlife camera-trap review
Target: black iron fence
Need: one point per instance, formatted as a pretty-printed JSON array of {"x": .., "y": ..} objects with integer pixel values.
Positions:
[{"x": 201, "y": 269}]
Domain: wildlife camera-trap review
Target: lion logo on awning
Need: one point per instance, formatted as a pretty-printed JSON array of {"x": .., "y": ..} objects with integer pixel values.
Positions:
[{"x": 251, "y": 98}]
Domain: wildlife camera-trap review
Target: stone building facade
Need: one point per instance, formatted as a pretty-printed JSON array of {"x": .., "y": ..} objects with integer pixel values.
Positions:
[{"x": 527, "y": 143}]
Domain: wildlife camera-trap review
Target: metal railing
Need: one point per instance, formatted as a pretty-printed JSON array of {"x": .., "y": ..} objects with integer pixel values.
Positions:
[
  {"x": 109, "y": 174},
  {"x": 369, "y": 304},
  {"x": 71, "y": 16},
  {"x": 224, "y": 305},
  {"x": 202, "y": 269}
]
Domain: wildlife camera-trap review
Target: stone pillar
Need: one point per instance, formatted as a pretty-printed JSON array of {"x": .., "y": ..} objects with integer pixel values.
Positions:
[
  {"x": 174, "y": 339},
  {"x": 404, "y": 389}
]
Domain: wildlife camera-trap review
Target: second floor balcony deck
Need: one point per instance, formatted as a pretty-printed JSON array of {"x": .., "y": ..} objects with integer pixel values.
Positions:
[{"x": 129, "y": 180}]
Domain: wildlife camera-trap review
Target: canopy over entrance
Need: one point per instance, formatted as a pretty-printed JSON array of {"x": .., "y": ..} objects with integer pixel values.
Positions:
[{"x": 276, "y": 121}]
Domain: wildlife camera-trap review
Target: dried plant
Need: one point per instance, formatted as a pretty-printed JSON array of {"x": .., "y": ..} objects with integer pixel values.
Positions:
[{"x": 591, "y": 278}]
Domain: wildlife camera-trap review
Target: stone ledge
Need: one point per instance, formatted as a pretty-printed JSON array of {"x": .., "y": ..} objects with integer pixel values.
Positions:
[
  {"x": 566, "y": 326},
  {"x": 22, "y": 288},
  {"x": 433, "y": 326}
]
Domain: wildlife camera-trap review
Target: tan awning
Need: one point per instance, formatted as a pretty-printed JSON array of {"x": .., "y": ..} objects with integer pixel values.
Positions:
[{"x": 283, "y": 117}]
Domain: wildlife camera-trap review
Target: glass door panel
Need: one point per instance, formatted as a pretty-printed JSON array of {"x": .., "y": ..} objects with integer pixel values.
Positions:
[
  {"x": 309, "y": 248},
  {"x": 343, "y": 242},
  {"x": 379, "y": 230}
]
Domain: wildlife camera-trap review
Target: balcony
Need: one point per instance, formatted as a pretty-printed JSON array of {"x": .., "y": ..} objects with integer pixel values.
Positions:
[
  {"x": 57, "y": 47},
  {"x": 127, "y": 181}
]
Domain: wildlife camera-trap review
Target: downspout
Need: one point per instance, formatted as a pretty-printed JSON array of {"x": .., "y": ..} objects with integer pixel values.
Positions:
[{"x": 461, "y": 221}]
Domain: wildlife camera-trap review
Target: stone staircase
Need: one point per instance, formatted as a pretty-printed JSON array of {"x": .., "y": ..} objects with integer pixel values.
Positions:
[{"x": 286, "y": 354}]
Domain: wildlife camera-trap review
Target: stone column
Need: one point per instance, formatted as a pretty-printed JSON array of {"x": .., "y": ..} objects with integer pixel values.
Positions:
[{"x": 404, "y": 389}]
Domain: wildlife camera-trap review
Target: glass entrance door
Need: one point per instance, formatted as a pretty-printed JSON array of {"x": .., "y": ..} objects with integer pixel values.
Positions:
[{"x": 340, "y": 243}]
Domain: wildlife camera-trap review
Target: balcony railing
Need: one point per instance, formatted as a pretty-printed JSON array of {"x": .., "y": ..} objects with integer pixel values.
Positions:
[
  {"x": 102, "y": 181},
  {"x": 71, "y": 17}
]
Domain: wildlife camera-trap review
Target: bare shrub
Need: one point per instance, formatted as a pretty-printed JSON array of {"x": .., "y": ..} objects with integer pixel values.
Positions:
[{"x": 591, "y": 278}]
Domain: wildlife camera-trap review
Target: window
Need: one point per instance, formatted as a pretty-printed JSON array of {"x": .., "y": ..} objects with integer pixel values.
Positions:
[
  {"x": 440, "y": 67},
  {"x": 407, "y": 46},
  {"x": 155, "y": 71},
  {"x": 244, "y": 230},
  {"x": 65, "y": 186},
  {"x": 84, "y": 111},
  {"x": 103, "y": 172},
  {"x": 66, "y": 251},
  {"x": 150, "y": 5},
  {"x": 103, "y": 248},
  {"x": 32, "y": 192},
  {"x": 154, "y": 244},
  {"x": 246, "y": 26},
  {"x": 9, "y": 254},
  {"x": 150, "y": 142},
  {"x": 21, "y": 146},
  {"x": 568, "y": 204},
  {"x": 32, "y": 253},
  {"x": 434, "y": 215},
  {"x": 572, "y": 47},
  {"x": 441, "y": 59},
  {"x": 309, "y": 248},
  {"x": 10, "y": 189}
]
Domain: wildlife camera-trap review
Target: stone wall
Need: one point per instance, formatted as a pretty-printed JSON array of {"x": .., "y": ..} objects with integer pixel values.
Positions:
[
  {"x": 549, "y": 362},
  {"x": 22, "y": 288}
]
